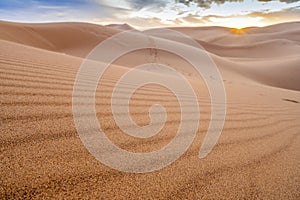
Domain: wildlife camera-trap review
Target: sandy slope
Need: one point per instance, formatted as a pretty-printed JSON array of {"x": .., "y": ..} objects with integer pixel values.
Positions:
[
  {"x": 70, "y": 38},
  {"x": 257, "y": 155}
]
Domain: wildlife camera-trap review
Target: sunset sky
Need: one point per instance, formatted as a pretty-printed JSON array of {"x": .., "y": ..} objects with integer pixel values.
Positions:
[{"x": 154, "y": 13}]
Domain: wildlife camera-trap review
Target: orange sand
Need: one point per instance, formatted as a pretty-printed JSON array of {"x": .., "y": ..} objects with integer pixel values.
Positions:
[{"x": 257, "y": 156}]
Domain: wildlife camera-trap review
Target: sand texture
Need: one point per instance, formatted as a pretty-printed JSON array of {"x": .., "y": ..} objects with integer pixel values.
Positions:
[{"x": 257, "y": 155}]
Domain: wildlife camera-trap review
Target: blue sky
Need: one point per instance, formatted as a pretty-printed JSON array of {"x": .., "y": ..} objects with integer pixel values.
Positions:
[{"x": 151, "y": 13}]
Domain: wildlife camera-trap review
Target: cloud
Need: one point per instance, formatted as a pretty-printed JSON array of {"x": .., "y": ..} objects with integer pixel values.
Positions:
[
  {"x": 138, "y": 4},
  {"x": 191, "y": 13},
  {"x": 208, "y": 3},
  {"x": 149, "y": 12},
  {"x": 116, "y": 4}
]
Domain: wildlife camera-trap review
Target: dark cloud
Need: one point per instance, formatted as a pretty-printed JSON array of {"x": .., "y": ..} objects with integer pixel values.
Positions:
[
  {"x": 286, "y": 1},
  {"x": 138, "y": 4},
  {"x": 207, "y": 3}
]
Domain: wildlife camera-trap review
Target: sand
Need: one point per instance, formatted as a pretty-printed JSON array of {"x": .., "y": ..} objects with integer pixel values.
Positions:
[{"x": 257, "y": 155}]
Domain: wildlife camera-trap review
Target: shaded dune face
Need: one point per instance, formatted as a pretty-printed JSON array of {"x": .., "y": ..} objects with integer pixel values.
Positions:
[{"x": 42, "y": 156}]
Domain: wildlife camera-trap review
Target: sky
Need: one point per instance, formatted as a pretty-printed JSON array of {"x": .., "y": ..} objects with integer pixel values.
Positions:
[{"x": 154, "y": 13}]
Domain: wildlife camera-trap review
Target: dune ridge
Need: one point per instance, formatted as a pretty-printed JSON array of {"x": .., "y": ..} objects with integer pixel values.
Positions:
[{"x": 254, "y": 44}]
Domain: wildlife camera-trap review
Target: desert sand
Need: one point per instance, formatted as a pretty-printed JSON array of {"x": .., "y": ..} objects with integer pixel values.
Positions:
[{"x": 256, "y": 157}]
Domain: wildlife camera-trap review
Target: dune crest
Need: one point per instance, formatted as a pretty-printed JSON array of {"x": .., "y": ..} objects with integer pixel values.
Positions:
[{"x": 266, "y": 48}]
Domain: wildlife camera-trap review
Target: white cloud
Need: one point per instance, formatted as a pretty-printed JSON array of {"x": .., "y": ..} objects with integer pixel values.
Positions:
[
  {"x": 148, "y": 12},
  {"x": 184, "y": 13}
]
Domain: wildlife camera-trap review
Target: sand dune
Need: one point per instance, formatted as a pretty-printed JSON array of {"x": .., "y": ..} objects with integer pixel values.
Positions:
[
  {"x": 56, "y": 36},
  {"x": 123, "y": 27},
  {"x": 253, "y": 43},
  {"x": 282, "y": 47},
  {"x": 257, "y": 156}
]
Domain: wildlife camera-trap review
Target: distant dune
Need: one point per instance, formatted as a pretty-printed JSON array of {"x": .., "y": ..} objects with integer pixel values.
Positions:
[
  {"x": 241, "y": 50},
  {"x": 257, "y": 156},
  {"x": 123, "y": 27},
  {"x": 71, "y": 38}
]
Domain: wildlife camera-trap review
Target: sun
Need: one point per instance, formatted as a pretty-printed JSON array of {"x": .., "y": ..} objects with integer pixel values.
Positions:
[{"x": 238, "y": 31}]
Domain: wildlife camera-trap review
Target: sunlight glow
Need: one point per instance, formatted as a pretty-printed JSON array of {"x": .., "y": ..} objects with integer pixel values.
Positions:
[
  {"x": 238, "y": 22},
  {"x": 238, "y": 31}
]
